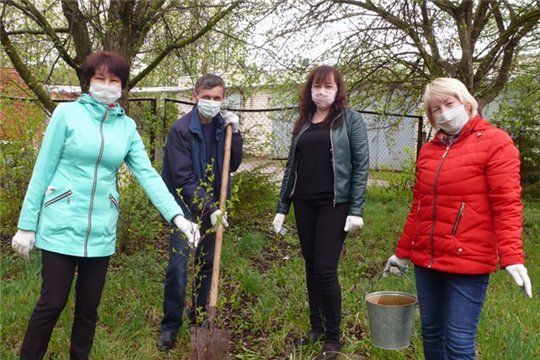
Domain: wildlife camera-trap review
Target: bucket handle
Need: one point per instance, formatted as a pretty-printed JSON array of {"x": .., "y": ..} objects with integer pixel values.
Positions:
[{"x": 381, "y": 272}]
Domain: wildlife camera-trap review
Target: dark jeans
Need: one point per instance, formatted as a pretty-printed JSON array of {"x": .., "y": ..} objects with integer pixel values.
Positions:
[
  {"x": 57, "y": 275},
  {"x": 320, "y": 229},
  {"x": 450, "y": 306},
  {"x": 176, "y": 276}
]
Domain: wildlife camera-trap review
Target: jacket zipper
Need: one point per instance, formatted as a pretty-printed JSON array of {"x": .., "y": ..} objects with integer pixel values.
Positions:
[
  {"x": 433, "y": 218},
  {"x": 333, "y": 159},
  {"x": 114, "y": 202},
  {"x": 418, "y": 218},
  {"x": 58, "y": 198},
  {"x": 459, "y": 215},
  {"x": 95, "y": 183},
  {"x": 292, "y": 159}
]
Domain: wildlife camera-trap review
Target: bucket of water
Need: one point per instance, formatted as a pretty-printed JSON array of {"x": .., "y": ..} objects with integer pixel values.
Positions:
[{"x": 391, "y": 318}]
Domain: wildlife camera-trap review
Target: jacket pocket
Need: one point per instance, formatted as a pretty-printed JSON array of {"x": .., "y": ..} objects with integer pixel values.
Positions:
[
  {"x": 111, "y": 214},
  {"x": 114, "y": 202},
  {"x": 57, "y": 212},
  {"x": 66, "y": 194},
  {"x": 458, "y": 218}
]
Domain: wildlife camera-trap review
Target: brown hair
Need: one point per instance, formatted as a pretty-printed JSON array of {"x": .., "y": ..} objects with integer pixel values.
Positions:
[
  {"x": 106, "y": 61},
  {"x": 306, "y": 106},
  {"x": 209, "y": 81}
]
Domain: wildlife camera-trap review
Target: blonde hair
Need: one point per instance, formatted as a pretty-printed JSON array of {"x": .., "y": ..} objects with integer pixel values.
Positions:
[{"x": 441, "y": 88}]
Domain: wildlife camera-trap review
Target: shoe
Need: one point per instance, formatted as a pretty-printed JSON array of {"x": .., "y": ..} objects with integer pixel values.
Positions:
[
  {"x": 166, "y": 340},
  {"x": 329, "y": 352},
  {"x": 202, "y": 324},
  {"x": 309, "y": 338}
]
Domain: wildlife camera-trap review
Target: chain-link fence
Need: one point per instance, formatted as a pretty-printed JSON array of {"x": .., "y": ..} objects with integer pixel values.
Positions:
[{"x": 267, "y": 135}]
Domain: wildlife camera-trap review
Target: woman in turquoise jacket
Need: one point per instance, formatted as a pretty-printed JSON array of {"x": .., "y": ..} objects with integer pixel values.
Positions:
[
  {"x": 71, "y": 207},
  {"x": 325, "y": 178}
]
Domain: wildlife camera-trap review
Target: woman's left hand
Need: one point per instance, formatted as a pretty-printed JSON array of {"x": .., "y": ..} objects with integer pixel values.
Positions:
[
  {"x": 519, "y": 273},
  {"x": 353, "y": 222}
]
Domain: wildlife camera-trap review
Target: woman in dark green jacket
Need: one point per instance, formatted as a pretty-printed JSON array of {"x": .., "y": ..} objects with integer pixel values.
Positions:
[{"x": 326, "y": 177}]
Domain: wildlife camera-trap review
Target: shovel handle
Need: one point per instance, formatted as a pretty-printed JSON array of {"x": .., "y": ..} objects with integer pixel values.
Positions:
[{"x": 222, "y": 207}]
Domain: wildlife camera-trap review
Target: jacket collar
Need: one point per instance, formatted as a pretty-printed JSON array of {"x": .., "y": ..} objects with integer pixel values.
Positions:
[
  {"x": 195, "y": 122},
  {"x": 97, "y": 109},
  {"x": 474, "y": 125}
]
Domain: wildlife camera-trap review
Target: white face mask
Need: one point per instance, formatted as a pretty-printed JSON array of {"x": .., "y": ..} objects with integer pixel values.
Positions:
[
  {"x": 453, "y": 120},
  {"x": 105, "y": 94},
  {"x": 323, "y": 98},
  {"x": 208, "y": 108}
]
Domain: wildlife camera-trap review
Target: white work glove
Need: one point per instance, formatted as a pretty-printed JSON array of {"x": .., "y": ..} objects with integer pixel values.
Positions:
[
  {"x": 519, "y": 273},
  {"x": 217, "y": 216},
  {"x": 23, "y": 241},
  {"x": 353, "y": 222},
  {"x": 396, "y": 266},
  {"x": 190, "y": 230},
  {"x": 232, "y": 119},
  {"x": 278, "y": 222}
]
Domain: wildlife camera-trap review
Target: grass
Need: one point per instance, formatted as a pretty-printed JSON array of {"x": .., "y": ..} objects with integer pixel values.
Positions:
[{"x": 263, "y": 301}]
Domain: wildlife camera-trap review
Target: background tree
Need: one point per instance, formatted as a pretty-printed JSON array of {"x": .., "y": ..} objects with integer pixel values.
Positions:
[
  {"x": 67, "y": 31},
  {"x": 519, "y": 114},
  {"x": 390, "y": 50}
]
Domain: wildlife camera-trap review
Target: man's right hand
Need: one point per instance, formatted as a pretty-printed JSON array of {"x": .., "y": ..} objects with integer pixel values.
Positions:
[{"x": 217, "y": 216}]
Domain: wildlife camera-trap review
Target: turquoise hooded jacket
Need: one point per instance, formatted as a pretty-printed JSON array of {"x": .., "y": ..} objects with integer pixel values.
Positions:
[{"x": 72, "y": 202}]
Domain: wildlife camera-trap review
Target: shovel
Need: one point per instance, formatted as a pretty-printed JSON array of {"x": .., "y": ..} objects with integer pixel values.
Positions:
[{"x": 212, "y": 343}]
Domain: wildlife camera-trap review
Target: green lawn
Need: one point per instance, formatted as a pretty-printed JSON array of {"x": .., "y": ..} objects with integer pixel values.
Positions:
[{"x": 263, "y": 301}]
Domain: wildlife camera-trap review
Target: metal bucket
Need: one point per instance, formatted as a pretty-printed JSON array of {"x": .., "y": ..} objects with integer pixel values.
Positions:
[{"x": 391, "y": 318}]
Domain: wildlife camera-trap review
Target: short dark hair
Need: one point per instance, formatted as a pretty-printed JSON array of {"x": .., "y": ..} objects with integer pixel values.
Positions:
[
  {"x": 110, "y": 62},
  {"x": 209, "y": 81}
]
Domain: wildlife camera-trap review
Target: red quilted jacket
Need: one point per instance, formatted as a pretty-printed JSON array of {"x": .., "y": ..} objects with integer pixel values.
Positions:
[{"x": 466, "y": 210}]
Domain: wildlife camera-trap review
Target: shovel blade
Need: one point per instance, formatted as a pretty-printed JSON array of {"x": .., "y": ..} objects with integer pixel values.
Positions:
[{"x": 209, "y": 344}]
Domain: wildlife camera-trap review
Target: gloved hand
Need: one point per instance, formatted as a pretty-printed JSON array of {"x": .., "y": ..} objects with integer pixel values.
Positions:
[
  {"x": 218, "y": 216},
  {"x": 353, "y": 222},
  {"x": 190, "y": 230},
  {"x": 232, "y": 119},
  {"x": 23, "y": 241},
  {"x": 278, "y": 222},
  {"x": 519, "y": 273},
  {"x": 396, "y": 266}
]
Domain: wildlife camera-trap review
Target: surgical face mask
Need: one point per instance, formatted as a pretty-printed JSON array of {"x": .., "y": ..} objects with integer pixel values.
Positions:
[
  {"x": 105, "y": 94},
  {"x": 208, "y": 108},
  {"x": 323, "y": 98},
  {"x": 453, "y": 120}
]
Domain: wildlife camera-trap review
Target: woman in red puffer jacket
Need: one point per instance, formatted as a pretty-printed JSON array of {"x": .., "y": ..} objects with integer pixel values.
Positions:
[{"x": 464, "y": 220}]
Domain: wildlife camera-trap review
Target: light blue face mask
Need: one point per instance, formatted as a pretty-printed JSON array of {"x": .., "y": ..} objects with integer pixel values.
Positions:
[
  {"x": 208, "y": 108},
  {"x": 105, "y": 94}
]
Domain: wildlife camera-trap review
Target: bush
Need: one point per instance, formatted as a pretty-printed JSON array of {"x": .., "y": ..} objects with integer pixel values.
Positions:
[
  {"x": 139, "y": 223},
  {"x": 256, "y": 194},
  {"x": 404, "y": 179},
  {"x": 19, "y": 136}
]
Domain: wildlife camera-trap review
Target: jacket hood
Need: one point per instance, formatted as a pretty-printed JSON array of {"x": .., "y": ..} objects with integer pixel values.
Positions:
[{"x": 97, "y": 109}]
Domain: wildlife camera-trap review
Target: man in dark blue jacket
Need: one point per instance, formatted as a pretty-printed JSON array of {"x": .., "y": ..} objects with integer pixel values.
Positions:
[{"x": 192, "y": 166}]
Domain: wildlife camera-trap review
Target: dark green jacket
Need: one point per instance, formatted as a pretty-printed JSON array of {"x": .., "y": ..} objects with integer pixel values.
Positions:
[{"x": 350, "y": 154}]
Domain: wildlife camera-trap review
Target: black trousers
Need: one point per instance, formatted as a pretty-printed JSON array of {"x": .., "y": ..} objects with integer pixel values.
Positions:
[
  {"x": 320, "y": 229},
  {"x": 57, "y": 276}
]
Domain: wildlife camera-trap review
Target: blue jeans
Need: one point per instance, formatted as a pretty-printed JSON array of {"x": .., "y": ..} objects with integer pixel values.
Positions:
[
  {"x": 450, "y": 306},
  {"x": 176, "y": 277}
]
